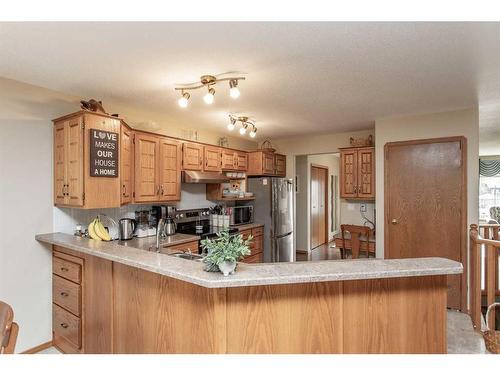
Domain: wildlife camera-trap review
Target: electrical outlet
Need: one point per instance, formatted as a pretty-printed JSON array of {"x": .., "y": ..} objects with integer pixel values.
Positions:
[{"x": 362, "y": 207}]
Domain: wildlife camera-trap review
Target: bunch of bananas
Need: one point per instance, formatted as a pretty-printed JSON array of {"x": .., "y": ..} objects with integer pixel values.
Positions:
[{"x": 97, "y": 230}]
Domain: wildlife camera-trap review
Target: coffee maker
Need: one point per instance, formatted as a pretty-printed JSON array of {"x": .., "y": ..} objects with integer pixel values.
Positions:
[{"x": 167, "y": 213}]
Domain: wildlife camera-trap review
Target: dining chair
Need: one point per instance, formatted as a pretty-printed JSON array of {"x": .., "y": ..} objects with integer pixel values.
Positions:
[
  {"x": 8, "y": 329},
  {"x": 358, "y": 233}
]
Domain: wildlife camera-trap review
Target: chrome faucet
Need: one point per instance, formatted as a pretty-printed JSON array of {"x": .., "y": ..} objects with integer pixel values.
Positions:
[{"x": 159, "y": 230}]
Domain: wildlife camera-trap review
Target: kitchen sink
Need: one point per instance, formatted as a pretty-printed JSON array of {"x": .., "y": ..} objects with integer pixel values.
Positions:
[{"x": 187, "y": 256}]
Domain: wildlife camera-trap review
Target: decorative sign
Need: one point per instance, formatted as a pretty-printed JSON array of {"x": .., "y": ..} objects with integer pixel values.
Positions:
[{"x": 103, "y": 153}]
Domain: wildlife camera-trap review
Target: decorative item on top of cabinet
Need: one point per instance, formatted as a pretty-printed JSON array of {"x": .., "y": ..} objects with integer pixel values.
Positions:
[
  {"x": 192, "y": 156},
  {"x": 157, "y": 168},
  {"x": 212, "y": 159},
  {"x": 73, "y": 184},
  {"x": 357, "y": 173},
  {"x": 126, "y": 163}
]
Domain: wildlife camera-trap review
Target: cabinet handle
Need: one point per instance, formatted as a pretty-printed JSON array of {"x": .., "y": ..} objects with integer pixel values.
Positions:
[
  {"x": 64, "y": 294},
  {"x": 355, "y": 189},
  {"x": 124, "y": 189},
  {"x": 64, "y": 325},
  {"x": 162, "y": 190},
  {"x": 64, "y": 269},
  {"x": 201, "y": 161}
]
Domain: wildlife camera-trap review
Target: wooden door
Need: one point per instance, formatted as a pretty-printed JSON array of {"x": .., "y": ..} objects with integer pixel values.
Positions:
[
  {"x": 426, "y": 205},
  {"x": 319, "y": 206},
  {"x": 74, "y": 161},
  {"x": 366, "y": 173},
  {"x": 280, "y": 164},
  {"x": 228, "y": 160},
  {"x": 268, "y": 163},
  {"x": 192, "y": 156},
  {"x": 146, "y": 168},
  {"x": 212, "y": 157},
  {"x": 170, "y": 170},
  {"x": 60, "y": 163},
  {"x": 348, "y": 173},
  {"x": 241, "y": 161},
  {"x": 126, "y": 164}
]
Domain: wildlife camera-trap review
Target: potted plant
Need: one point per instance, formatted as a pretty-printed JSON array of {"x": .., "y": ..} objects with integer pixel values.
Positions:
[{"x": 224, "y": 251}]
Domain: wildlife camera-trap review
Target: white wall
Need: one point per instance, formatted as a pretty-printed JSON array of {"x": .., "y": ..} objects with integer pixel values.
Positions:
[
  {"x": 435, "y": 125},
  {"x": 26, "y": 202}
]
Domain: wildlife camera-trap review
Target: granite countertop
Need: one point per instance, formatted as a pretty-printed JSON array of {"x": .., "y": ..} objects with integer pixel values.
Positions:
[
  {"x": 247, "y": 226},
  {"x": 254, "y": 274}
]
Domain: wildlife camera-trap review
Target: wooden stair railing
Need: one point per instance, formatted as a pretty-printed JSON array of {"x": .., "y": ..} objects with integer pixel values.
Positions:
[{"x": 490, "y": 242}]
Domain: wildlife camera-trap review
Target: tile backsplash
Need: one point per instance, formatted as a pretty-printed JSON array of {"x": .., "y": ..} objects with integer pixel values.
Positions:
[{"x": 66, "y": 219}]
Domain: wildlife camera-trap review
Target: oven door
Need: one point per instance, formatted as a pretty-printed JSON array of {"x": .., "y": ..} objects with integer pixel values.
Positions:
[{"x": 242, "y": 215}]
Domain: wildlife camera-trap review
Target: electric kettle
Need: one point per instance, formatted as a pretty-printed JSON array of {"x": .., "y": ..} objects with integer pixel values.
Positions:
[
  {"x": 170, "y": 226},
  {"x": 127, "y": 228}
]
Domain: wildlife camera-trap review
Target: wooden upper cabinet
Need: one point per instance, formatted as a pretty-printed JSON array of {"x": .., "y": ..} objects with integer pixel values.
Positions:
[
  {"x": 280, "y": 165},
  {"x": 241, "y": 161},
  {"x": 146, "y": 166},
  {"x": 229, "y": 159},
  {"x": 126, "y": 164},
  {"x": 192, "y": 156},
  {"x": 263, "y": 163},
  {"x": 73, "y": 184},
  {"x": 212, "y": 159},
  {"x": 357, "y": 173},
  {"x": 170, "y": 169}
]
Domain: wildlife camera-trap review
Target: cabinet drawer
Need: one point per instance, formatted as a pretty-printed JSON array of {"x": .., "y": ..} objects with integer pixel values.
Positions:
[
  {"x": 259, "y": 231},
  {"x": 256, "y": 245},
  {"x": 67, "y": 269},
  {"x": 66, "y": 294},
  {"x": 245, "y": 233},
  {"x": 186, "y": 246},
  {"x": 257, "y": 258},
  {"x": 67, "y": 325}
]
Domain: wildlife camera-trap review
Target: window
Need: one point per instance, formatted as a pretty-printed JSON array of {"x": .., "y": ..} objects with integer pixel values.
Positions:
[{"x": 489, "y": 196}]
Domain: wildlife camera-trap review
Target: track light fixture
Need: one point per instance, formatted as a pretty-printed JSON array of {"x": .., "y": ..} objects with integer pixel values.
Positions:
[
  {"x": 209, "y": 81},
  {"x": 245, "y": 124}
]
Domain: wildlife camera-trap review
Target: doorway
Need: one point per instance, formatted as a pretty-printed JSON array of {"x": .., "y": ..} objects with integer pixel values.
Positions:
[
  {"x": 319, "y": 205},
  {"x": 426, "y": 205}
]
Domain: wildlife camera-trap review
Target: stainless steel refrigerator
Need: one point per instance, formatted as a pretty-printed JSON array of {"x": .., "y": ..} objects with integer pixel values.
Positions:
[{"x": 273, "y": 207}]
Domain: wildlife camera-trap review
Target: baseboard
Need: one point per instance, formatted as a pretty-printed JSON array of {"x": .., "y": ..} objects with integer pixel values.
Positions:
[
  {"x": 302, "y": 251},
  {"x": 38, "y": 348}
]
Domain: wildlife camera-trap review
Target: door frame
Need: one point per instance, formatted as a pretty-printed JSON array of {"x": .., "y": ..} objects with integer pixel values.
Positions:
[
  {"x": 327, "y": 190},
  {"x": 464, "y": 233}
]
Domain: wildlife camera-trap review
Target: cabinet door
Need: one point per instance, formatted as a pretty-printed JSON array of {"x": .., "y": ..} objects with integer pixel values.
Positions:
[
  {"x": 170, "y": 170},
  {"x": 229, "y": 160},
  {"x": 60, "y": 164},
  {"x": 212, "y": 157},
  {"x": 241, "y": 161},
  {"x": 192, "y": 156},
  {"x": 74, "y": 161},
  {"x": 348, "y": 173},
  {"x": 280, "y": 165},
  {"x": 366, "y": 173},
  {"x": 268, "y": 163},
  {"x": 126, "y": 165},
  {"x": 146, "y": 167}
]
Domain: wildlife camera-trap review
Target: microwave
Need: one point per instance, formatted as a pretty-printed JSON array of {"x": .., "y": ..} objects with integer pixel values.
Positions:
[{"x": 241, "y": 215}]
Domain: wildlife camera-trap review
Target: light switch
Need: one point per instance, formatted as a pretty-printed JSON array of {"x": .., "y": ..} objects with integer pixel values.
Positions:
[{"x": 362, "y": 207}]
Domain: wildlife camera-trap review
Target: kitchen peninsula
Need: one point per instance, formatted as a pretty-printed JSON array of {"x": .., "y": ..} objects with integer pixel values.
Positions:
[{"x": 130, "y": 300}]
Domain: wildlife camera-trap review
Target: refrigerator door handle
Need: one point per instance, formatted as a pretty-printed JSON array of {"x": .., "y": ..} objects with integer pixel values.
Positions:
[{"x": 282, "y": 235}]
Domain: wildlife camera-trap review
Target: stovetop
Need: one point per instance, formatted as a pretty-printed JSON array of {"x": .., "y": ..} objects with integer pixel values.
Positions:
[{"x": 206, "y": 229}]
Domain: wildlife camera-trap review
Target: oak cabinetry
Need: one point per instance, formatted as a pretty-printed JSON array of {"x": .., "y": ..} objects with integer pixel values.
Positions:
[
  {"x": 126, "y": 155},
  {"x": 73, "y": 185},
  {"x": 256, "y": 246},
  {"x": 357, "y": 173},
  {"x": 241, "y": 161},
  {"x": 186, "y": 247},
  {"x": 157, "y": 169},
  {"x": 192, "y": 156},
  {"x": 212, "y": 159},
  {"x": 264, "y": 163},
  {"x": 233, "y": 160}
]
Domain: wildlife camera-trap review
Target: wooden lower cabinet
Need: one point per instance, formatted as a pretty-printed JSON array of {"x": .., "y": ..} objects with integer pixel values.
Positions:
[{"x": 130, "y": 310}]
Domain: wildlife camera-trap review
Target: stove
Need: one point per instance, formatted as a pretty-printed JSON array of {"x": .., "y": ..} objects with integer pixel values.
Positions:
[{"x": 197, "y": 222}]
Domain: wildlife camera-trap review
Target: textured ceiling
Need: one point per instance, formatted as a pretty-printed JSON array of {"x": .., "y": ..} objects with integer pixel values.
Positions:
[{"x": 302, "y": 78}]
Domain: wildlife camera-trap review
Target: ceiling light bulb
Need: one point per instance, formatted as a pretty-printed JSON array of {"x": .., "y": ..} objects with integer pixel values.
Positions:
[
  {"x": 234, "y": 91},
  {"x": 243, "y": 129},
  {"x": 253, "y": 133},
  {"x": 183, "y": 101},
  {"x": 230, "y": 126},
  {"x": 209, "y": 96}
]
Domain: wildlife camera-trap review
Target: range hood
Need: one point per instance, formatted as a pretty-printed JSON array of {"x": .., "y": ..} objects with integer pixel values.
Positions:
[{"x": 196, "y": 177}]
